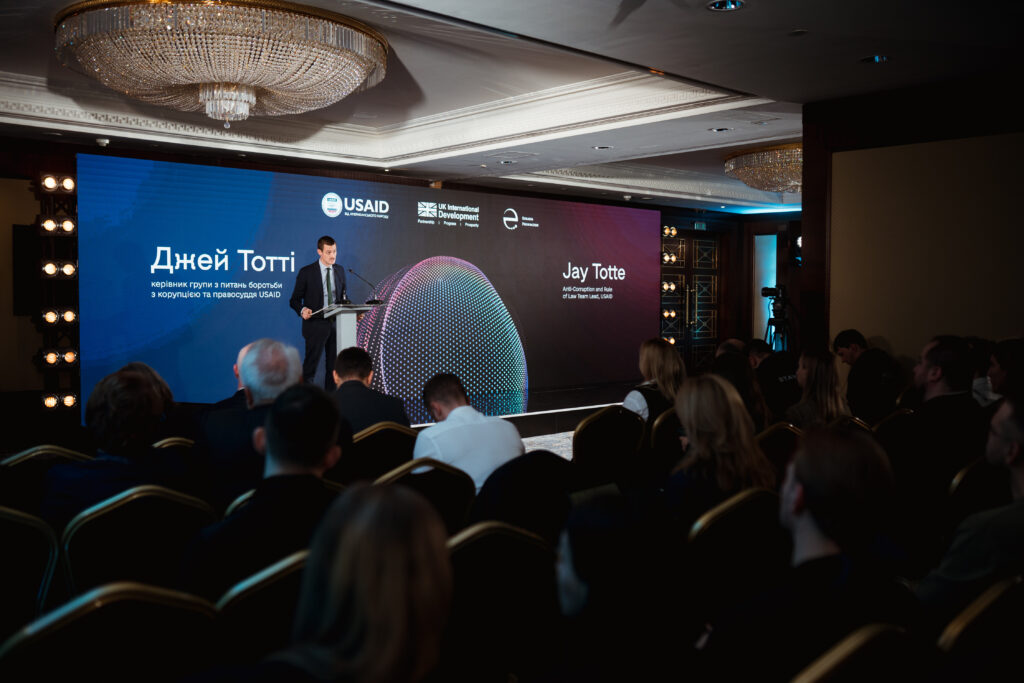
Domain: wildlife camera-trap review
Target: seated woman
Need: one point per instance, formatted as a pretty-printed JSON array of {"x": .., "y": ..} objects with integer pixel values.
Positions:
[
  {"x": 375, "y": 596},
  {"x": 736, "y": 368},
  {"x": 822, "y": 401},
  {"x": 721, "y": 456},
  {"x": 663, "y": 371}
]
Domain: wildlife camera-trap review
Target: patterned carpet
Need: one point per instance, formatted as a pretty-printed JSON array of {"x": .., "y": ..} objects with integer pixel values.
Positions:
[{"x": 559, "y": 444}]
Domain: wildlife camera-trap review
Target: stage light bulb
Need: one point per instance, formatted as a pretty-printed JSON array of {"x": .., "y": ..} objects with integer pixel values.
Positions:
[
  {"x": 50, "y": 401},
  {"x": 672, "y": 286},
  {"x": 50, "y": 316},
  {"x": 665, "y": 257},
  {"x": 49, "y": 225},
  {"x": 664, "y": 314},
  {"x": 51, "y": 357},
  {"x": 70, "y": 356},
  {"x": 67, "y": 184},
  {"x": 673, "y": 314},
  {"x": 49, "y": 182},
  {"x": 673, "y": 232},
  {"x": 50, "y": 268},
  {"x": 70, "y": 316},
  {"x": 664, "y": 286},
  {"x": 665, "y": 231},
  {"x": 70, "y": 400},
  {"x": 670, "y": 340},
  {"x": 672, "y": 258},
  {"x": 67, "y": 225},
  {"x": 68, "y": 269}
]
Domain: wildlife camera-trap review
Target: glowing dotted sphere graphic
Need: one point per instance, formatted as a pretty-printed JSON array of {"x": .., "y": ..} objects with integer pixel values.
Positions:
[{"x": 444, "y": 315}]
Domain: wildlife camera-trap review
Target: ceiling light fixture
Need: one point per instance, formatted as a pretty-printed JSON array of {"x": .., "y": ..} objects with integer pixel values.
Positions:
[
  {"x": 718, "y": 130},
  {"x": 602, "y": 147},
  {"x": 771, "y": 169},
  {"x": 875, "y": 59},
  {"x": 229, "y": 58}
]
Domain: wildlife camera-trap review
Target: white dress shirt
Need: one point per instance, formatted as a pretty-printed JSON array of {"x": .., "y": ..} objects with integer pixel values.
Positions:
[
  {"x": 474, "y": 443},
  {"x": 328, "y": 272}
]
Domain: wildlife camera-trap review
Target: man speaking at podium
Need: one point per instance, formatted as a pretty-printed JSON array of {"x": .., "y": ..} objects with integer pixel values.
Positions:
[{"x": 318, "y": 285}]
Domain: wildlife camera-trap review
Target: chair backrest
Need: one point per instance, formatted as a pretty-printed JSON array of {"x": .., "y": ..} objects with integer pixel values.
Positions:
[
  {"x": 851, "y": 422},
  {"x": 666, "y": 451},
  {"x": 893, "y": 424},
  {"x": 737, "y": 548},
  {"x": 138, "y": 535},
  {"x": 23, "y": 475},
  {"x": 374, "y": 451},
  {"x": 979, "y": 486},
  {"x": 981, "y": 642},
  {"x": 175, "y": 442},
  {"x": 121, "y": 631},
  {"x": 505, "y": 603},
  {"x": 29, "y": 549},
  {"x": 604, "y": 446},
  {"x": 256, "y": 614},
  {"x": 450, "y": 490},
  {"x": 239, "y": 503},
  {"x": 874, "y": 651},
  {"x": 779, "y": 443}
]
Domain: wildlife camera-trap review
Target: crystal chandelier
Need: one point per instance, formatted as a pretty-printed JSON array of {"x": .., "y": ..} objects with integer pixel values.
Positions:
[
  {"x": 772, "y": 169},
  {"x": 229, "y": 58}
]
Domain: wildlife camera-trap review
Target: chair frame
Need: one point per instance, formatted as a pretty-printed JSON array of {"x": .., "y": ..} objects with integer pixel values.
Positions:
[
  {"x": 894, "y": 415},
  {"x": 778, "y": 427},
  {"x": 113, "y": 503},
  {"x": 475, "y": 531},
  {"x": 598, "y": 414},
  {"x": 659, "y": 423},
  {"x": 238, "y": 503},
  {"x": 51, "y": 562},
  {"x": 381, "y": 426},
  {"x": 822, "y": 667},
  {"x": 43, "y": 449},
  {"x": 400, "y": 471},
  {"x": 283, "y": 567},
  {"x": 709, "y": 518},
  {"x": 174, "y": 441},
  {"x": 955, "y": 629}
]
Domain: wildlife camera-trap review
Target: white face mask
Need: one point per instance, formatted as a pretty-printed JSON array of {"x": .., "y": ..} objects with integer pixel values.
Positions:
[{"x": 572, "y": 591}]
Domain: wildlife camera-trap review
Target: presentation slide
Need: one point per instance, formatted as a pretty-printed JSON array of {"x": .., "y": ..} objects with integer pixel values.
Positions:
[{"x": 180, "y": 265}]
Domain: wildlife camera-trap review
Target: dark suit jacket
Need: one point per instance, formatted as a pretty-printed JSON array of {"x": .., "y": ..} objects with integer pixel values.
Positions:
[
  {"x": 364, "y": 407},
  {"x": 278, "y": 520},
  {"x": 309, "y": 289},
  {"x": 225, "y": 444}
]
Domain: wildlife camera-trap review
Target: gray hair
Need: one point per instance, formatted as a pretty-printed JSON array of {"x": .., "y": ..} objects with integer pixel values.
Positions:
[{"x": 268, "y": 368}]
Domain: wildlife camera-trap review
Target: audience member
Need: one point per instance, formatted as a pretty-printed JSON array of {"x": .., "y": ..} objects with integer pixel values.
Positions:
[
  {"x": 663, "y": 371},
  {"x": 757, "y": 351},
  {"x": 237, "y": 399},
  {"x": 300, "y": 443},
  {"x": 376, "y": 593},
  {"x": 463, "y": 438},
  {"x": 358, "y": 403},
  {"x": 737, "y": 370},
  {"x": 721, "y": 456},
  {"x": 821, "y": 401},
  {"x": 833, "y": 500},
  {"x": 174, "y": 419},
  {"x": 731, "y": 345},
  {"x": 981, "y": 385},
  {"x": 225, "y": 435},
  {"x": 1006, "y": 371},
  {"x": 873, "y": 384},
  {"x": 987, "y": 546},
  {"x": 124, "y": 414},
  {"x": 776, "y": 374}
]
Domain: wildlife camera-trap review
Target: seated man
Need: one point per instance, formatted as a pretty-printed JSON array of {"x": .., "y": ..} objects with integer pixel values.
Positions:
[
  {"x": 988, "y": 546},
  {"x": 873, "y": 384},
  {"x": 462, "y": 437},
  {"x": 300, "y": 442},
  {"x": 358, "y": 403},
  {"x": 225, "y": 434},
  {"x": 832, "y": 504}
]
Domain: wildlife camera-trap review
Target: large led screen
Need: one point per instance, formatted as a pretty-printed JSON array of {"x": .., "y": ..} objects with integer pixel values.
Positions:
[{"x": 180, "y": 265}]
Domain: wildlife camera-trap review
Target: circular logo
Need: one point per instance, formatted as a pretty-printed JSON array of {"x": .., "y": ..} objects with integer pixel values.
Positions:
[
  {"x": 510, "y": 218},
  {"x": 331, "y": 204}
]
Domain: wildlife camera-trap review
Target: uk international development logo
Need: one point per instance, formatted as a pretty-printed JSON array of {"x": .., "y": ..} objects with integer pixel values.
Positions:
[
  {"x": 331, "y": 204},
  {"x": 426, "y": 209}
]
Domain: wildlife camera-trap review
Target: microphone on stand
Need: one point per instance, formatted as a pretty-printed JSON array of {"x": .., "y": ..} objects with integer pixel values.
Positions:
[{"x": 373, "y": 289}]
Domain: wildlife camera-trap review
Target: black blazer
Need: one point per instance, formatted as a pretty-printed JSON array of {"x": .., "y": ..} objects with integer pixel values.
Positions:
[
  {"x": 309, "y": 289},
  {"x": 364, "y": 407}
]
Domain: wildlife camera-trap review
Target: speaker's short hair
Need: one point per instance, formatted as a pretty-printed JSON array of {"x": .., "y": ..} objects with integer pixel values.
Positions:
[{"x": 326, "y": 240}]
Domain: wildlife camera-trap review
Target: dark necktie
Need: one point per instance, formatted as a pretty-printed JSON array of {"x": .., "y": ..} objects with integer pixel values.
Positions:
[{"x": 330, "y": 292}]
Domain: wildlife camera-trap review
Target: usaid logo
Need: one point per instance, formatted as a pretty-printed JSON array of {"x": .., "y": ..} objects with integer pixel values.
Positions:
[
  {"x": 331, "y": 204},
  {"x": 510, "y": 219}
]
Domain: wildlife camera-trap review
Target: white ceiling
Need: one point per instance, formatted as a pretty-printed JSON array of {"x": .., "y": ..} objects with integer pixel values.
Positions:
[{"x": 540, "y": 83}]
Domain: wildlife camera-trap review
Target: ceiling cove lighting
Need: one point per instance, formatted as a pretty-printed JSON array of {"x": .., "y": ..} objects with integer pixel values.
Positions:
[
  {"x": 770, "y": 169},
  {"x": 230, "y": 58}
]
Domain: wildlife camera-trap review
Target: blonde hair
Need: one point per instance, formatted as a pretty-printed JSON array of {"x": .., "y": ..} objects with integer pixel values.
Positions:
[
  {"x": 821, "y": 389},
  {"x": 377, "y": 589},
  {"x": 661, "y": 363},
  {"x": 721, "y": 436}
]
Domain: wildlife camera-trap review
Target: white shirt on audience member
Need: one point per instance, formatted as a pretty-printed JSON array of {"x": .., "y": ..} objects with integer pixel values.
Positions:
[{"x": 474, "y": 443}]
